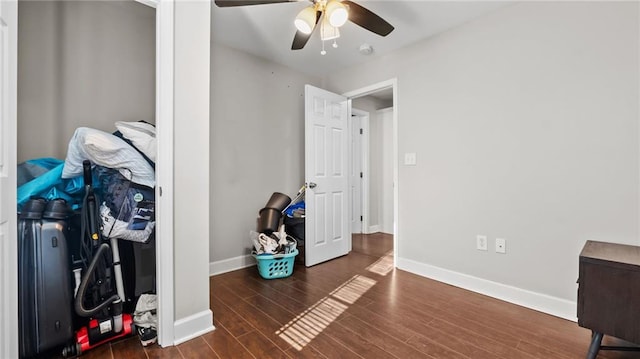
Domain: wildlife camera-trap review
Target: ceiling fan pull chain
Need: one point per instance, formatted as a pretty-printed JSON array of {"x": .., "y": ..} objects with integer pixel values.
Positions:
[{"x": 323, "y": 52}]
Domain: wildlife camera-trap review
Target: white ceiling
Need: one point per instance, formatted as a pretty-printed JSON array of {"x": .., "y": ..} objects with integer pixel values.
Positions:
[{"x": 267, "y": 30}]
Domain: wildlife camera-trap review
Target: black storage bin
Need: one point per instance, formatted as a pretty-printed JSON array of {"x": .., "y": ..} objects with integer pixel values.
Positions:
[{"x": 295, "y": 228}]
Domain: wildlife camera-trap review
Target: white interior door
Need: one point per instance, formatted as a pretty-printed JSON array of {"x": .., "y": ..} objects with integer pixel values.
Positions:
[
  {"x": 327, "y": 231},
  {"x": 8, "y": 169}
]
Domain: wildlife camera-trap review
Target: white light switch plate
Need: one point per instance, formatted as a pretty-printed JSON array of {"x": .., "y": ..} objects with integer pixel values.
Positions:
[{"x": 410, "y": 159}]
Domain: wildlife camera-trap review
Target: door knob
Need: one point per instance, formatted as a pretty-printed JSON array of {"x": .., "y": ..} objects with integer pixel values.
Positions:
[{"x": 311, "y": 185}]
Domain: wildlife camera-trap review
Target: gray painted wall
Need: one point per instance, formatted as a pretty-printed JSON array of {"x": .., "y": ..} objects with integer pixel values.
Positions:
[
  {"x": 191, "y": 159},
  {"x": 525, "y": 125},
  {"x": 257, "y": 143},
  {"x": 81, "y": 63}
]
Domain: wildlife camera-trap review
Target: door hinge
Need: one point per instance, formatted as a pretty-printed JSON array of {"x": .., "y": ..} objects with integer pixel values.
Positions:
[
  {"x": 361, "y": 132},
  {"x": 360, "y": 174},
  {"x": 360, "y": 218}
]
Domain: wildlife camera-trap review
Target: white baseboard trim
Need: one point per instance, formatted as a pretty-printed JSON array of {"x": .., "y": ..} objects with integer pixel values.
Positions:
[
  {"x": 537, "y": 301},
  {"x": 192, "y": 326},
  {"x": 231, "y": 264},
  {"x": 373, "y": 229}
]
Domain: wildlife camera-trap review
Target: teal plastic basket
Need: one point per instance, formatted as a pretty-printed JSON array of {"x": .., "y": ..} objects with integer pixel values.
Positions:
[{"x": 276, "y": 265}]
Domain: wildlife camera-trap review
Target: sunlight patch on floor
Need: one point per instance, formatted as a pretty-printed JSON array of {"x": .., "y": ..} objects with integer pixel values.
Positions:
[
  {"x": 382, "y": 266},
  {"x": 353, "y": 289},
  {"x": 306, "y": 326},
  {"x": 301, "y": 330}
]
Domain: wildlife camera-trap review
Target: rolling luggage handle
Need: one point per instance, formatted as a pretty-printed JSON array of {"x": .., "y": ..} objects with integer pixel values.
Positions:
[{"x": 90, "y": 201}]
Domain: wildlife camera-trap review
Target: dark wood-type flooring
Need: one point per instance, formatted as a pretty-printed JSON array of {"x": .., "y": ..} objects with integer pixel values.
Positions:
[{"x": 358, "y": 306}]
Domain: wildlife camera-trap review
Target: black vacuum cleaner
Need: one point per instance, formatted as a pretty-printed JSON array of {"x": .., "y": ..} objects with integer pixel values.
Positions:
[{"x": 100, "y": 294}]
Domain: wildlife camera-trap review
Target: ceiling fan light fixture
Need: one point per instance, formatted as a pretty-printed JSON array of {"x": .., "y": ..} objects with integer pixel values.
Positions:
[
  {"x": 306, "y": 20},
  {"x": 337, "y": 13},
  {"x": 328, "y": 32}
]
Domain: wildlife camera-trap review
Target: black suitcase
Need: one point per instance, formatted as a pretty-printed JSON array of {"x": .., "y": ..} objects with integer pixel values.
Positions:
[{"x": 44, "y": 279}]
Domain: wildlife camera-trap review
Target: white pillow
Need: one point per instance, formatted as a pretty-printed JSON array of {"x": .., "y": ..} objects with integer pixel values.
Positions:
[
  {"x": 142, "y": 135},
  {"x": 107, "y": 150}
]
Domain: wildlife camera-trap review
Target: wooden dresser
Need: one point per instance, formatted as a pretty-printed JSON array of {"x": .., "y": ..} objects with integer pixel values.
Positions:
[{"x": 609, "y": 293}]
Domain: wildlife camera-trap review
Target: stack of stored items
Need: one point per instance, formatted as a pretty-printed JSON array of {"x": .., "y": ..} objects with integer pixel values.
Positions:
[
  {"x": 123, "y": 213},
  {"x": 274, "y": 250},
  {"x": 274, "y": 253},
  {"x": 294, "y": 222},
  {"x": 271, "y": 214},
  {"x": 68, "y": 231},
  {"x": 275, "y": 243}
]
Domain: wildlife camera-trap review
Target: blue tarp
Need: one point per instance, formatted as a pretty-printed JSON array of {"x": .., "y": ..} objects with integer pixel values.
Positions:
[{"x": 42, "y": 177}]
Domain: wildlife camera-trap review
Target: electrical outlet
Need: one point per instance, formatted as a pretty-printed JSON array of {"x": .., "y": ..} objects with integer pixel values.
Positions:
[
  {"x": 501, "y": 245},
  {"x": 410, "y": 159},
  {"x": 481, "y": 242}
]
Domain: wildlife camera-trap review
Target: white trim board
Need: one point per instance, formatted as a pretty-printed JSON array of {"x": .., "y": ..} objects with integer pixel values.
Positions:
[
  {"x": 193, "y": 326},
  {"x": 231, "y": 264},
  {"x": 164, "y": 171},
  {"x": 373, "y": 229},
  {"x": 537, "y": 301},
  {"x": 9, "y": 340}
]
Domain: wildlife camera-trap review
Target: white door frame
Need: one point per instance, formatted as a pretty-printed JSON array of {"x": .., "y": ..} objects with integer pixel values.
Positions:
[
  {"x": 8, "y": 225},
  {"x": 364, "y": 159},
  {"x": 164, "y": 168},
  {"x": 393, "y": 84}
]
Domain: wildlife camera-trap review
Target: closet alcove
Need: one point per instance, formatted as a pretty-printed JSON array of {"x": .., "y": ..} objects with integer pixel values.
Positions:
[{"x": 86, "y": 64}]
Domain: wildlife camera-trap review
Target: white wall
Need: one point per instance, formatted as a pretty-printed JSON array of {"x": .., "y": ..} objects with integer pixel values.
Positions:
[
  {"x": 191, "y": 168},
  {"x": 81, "y": 63},
  {"x": 257, "y": 144},
  {"x": 525, "y": 125}
]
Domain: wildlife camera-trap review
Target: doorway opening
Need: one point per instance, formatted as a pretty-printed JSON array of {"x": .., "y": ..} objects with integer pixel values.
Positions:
[{"x": 374, "y": 169}]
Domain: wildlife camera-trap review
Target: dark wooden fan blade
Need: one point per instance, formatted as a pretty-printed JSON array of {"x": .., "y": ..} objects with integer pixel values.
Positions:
[
  {"x": 229, "y": 3},
  {"x": 301, "y": 39},
  {"x": 367, "y": 19}
]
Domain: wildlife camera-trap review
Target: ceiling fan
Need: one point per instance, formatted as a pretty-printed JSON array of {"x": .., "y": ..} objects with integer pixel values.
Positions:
[{"x": 331, "y": 14}]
